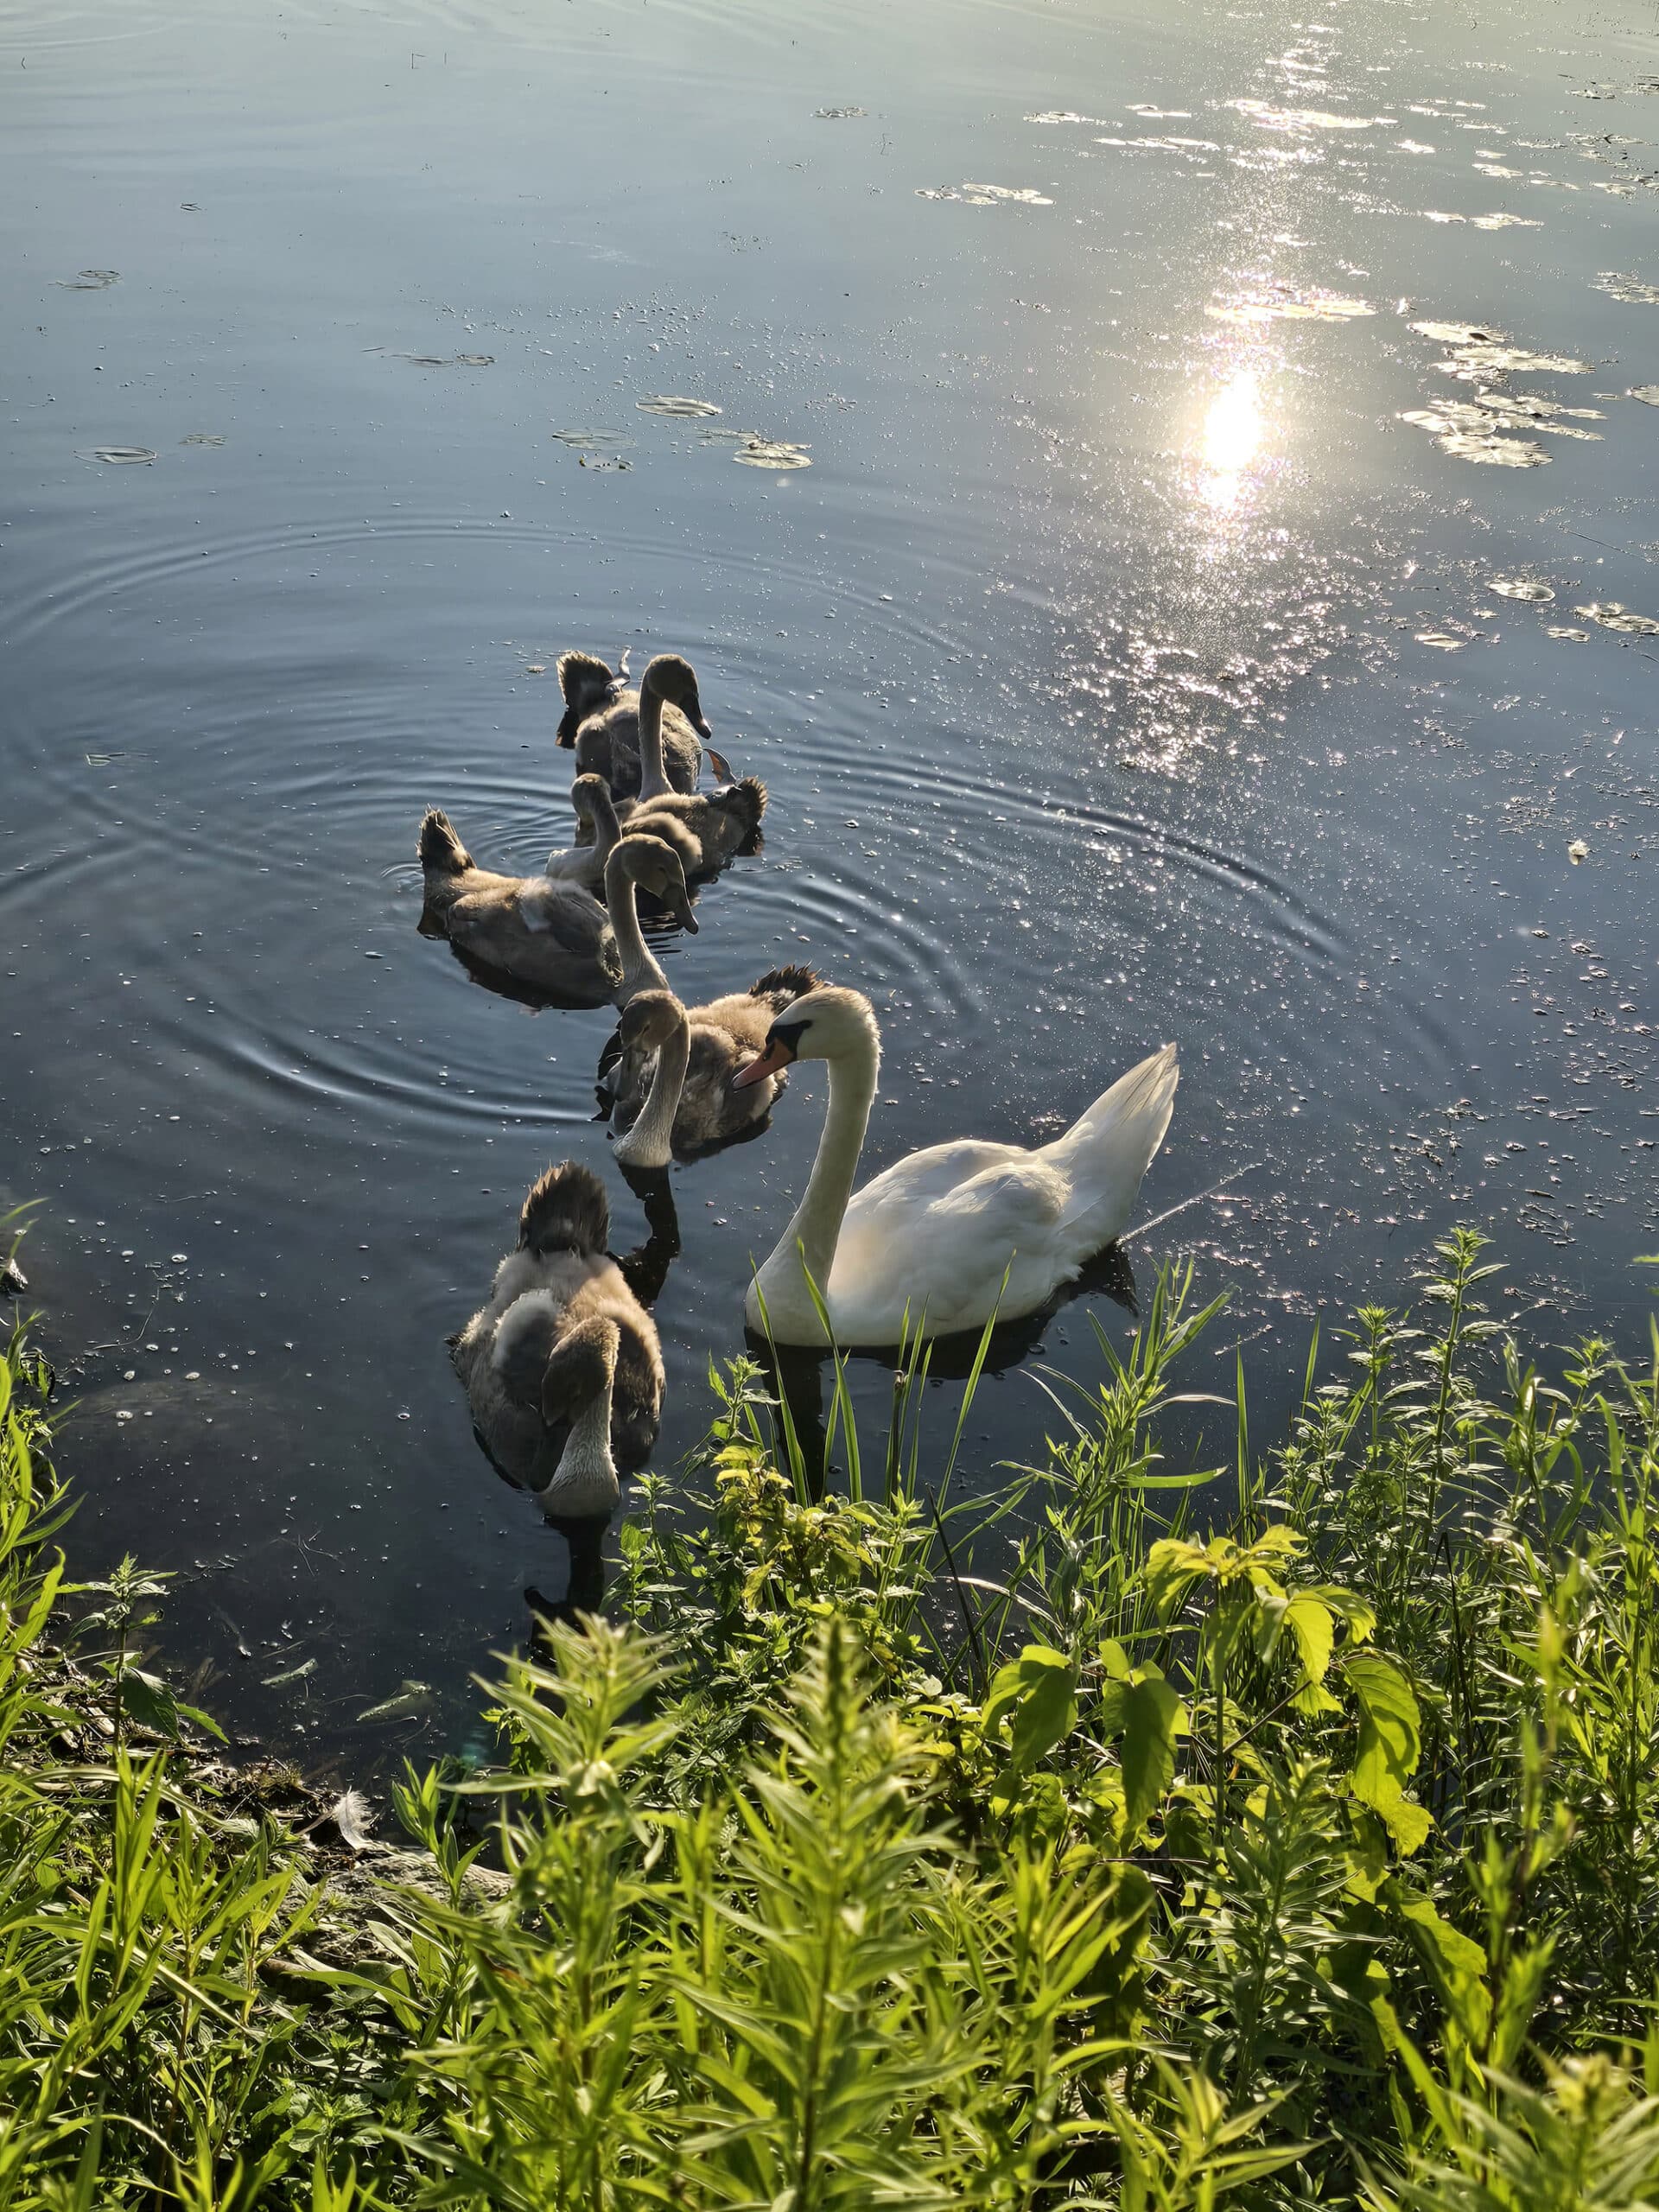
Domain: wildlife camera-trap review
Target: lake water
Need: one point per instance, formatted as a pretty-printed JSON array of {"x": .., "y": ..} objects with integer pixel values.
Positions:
[{"x": 1171, "y": 636}]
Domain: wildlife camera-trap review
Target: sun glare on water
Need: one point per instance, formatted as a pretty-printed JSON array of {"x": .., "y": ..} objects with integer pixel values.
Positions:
[{"x": 1232, "y": 435}]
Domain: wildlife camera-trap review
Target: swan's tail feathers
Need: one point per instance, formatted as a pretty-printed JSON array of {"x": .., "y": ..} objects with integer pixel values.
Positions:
[
  {"x": 1105, "y": 1154},
  {"x": 586, "y": 683},
  {"x": 784, "y": 985},
  {"x": 746, "y": 802},
  {"x": 440, "y": 847},
  {"x": 567, "y": 1210}
]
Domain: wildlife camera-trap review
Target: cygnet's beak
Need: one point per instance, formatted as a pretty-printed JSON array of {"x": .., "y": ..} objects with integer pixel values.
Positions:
[
  {"x": 720, "y": 765},
  {"x": 772, "y": 1061}
]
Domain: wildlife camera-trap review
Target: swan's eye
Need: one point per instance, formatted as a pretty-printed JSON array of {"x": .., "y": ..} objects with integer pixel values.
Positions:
[{"x": 787, "y": 1037}]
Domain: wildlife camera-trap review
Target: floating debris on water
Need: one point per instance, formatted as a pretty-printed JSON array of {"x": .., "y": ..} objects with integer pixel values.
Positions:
[
  {"x": 676, "y": 406},
  {"x": 838, "y": 114},
  {"x": 307, "y": 1667},
  {"x": 201, "y": 438},
  {"x": 1630, "y": 290},
  {"x": 615, "y": 462},
  {"x": 1648, "y": 393},
  {"x": 1065, "y": 115},
  {"x": 1286, "y": 306},
  {"x": 123, "y": 457},
  {"x": 1443, "y": 639},
  {"x": 1578, "y": 851},
  {"x": 451, "y": 360},
  {"x": 1611, "y": 616},
  {"x": 593, "y": 441},
  {"x": 1568, "y": 635},
  {"x": 412, "y": 1698},
  {"x": 1303, "y": 118},
  {"x": 1476, "y": 352},
  {"x": 90, "y": 280},
  {"x": 1500, "y": 222},
  {"x": 1521, "y": 588},
  {"x": 987, "y": 195},
  {"x": 771, "y": 453}
]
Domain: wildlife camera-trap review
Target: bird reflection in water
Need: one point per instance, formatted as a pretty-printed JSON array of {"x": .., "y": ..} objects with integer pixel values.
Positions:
[{"x": 797, "y": 1372}]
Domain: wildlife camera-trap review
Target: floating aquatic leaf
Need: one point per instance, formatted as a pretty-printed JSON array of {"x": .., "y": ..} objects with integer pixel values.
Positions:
[
  {"x": 1505, "y": 222},
  {"x": 987, "y": 195},
  {"x": 307, "y": 1667},
  {"x": 451, "y": 360},
  {"x": 1630, "y": 290},
  {"x": 1570, "y": 636},
  {"x": 1063, "y": 115},
  {"x": 838, "y": 114},
  {"x": 673, "y": 404},
  {"x": 1611, "y": 616},
  {"x": 90, "y": 280},
  {"x": 201, "y": 438},
  {"x": 123, "y": 457},
  {"x": 1454, "y": 334},
  {"x": 413, "y": 1697},
  {"x": 1649, "y": 393},
  {"x": 770, "y": 453},
  {"x": 1521, "y": 588},
  {"x": 1467, "y": 440},
  {"x": 1443, "y": 639}
]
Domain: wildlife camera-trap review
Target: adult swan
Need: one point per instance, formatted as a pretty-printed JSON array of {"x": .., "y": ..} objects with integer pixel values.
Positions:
[{"x": 935, "y": 1234}]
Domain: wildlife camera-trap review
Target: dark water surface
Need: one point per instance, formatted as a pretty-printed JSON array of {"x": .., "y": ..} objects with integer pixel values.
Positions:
[{"x": 1128, "y": 663}]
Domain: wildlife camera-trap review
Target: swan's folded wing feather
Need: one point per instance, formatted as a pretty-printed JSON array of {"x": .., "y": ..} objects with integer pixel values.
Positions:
[{"x": 938, "y": 1230}]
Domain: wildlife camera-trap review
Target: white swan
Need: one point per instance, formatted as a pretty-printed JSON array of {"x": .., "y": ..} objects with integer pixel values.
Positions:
[{"x": 934, "y": 1235}]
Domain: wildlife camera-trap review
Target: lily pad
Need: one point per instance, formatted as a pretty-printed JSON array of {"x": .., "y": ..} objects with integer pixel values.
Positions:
[
  {"x": 771, "y": 453},
  {"x": 1521, "y": 588},
  {"x": 123, "y": 456},
  {"x": 676, "y": 406}
]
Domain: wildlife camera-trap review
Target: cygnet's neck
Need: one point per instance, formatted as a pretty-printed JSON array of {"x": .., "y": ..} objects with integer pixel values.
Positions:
[
  {"x": 584, "y": 1482},
  {"x": 653, "y": 778},
  {"x": 650, "y": 1142},
  {"x": 640, "y": 970}
]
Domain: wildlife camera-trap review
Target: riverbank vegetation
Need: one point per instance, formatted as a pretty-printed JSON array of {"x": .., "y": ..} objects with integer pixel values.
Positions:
[{"x": 1156, "y": 1836}]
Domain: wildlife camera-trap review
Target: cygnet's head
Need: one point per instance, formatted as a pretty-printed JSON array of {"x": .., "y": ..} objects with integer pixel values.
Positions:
[
  {"x": 827, "y": 1024},
  {"x": 588, "y": 795},
  {"x": 649, "y": 1020},
  {"x": 672, "y": 677},
  {"x": 579, "y": 1367},
  {"x": 654, "y": 865}
]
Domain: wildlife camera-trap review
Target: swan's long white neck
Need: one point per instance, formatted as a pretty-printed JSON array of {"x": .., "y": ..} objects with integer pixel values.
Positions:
[
  {"x": 584, "y": 1482},
  {"x": 640, "y": 971},
  {"x": 811, "y": 1235},
  {"x": 654, "y": 778},
  {"x": 650, "y": 1142}
]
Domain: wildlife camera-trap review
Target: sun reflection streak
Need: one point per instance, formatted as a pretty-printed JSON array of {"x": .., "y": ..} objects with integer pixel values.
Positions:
[{"x": 1233, "y": 427}]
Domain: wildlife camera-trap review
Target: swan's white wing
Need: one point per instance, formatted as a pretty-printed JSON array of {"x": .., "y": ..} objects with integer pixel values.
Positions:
[{"x": 937, "y": 1230}]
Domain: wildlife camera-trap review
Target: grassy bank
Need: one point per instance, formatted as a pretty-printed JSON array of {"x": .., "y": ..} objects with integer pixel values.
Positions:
[{"x": 1278, "y": 1833}]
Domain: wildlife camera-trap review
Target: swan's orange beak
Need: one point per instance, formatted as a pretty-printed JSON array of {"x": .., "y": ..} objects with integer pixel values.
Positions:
[{"x": 772, "y": 1061}]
